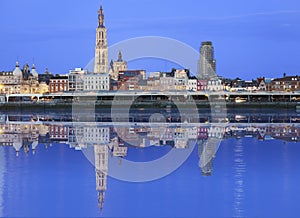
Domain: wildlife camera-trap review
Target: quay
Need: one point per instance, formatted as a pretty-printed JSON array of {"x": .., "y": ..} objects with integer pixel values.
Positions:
[{"x": 203, "y": 98}]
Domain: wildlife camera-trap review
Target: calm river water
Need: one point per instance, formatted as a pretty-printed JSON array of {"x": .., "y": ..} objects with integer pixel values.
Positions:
[{"x": 246, "y": 167}]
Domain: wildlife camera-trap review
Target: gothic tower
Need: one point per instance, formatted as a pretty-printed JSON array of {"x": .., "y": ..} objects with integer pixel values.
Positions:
[
  {"x": 101, "y": 49},
  {"x": 116, "y": 66}
]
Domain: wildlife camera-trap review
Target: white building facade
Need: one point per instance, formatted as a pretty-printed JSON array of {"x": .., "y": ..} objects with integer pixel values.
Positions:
[
  {"x": 76, "y": 78},
  {"x": 181, "y": 80},
  {"x": 96, "y": 82},
  {"x": 215, "y": 85}
]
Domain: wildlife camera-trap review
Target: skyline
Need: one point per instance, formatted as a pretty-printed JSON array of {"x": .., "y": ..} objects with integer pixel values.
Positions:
[{"x": 258, "y": 35}]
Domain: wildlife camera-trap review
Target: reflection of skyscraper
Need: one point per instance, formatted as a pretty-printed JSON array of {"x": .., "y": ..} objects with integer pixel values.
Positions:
[
  {"x": 207, "y": 63},
  {"x": 101, "y": 50},
  {"x": 206, "y": 158},
  {"x": 101, "y": 164},
  {"x": 208, "y": 148},
  {"x": 239, "y": 173},
  {"x": 2, "y": 171}
]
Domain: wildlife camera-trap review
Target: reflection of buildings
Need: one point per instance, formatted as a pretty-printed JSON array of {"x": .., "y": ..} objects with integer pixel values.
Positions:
[
  {"x": 106, "y": 141},
  {"x": 29, "y": 135},
  {"x": 101, "y": 165},
  {"x": 21, "y": 136}
]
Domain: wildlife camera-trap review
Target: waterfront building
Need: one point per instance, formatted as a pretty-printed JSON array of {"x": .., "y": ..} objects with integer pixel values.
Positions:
[
  {"x": 11, "y": 77},
  {"x": 167, "y": 82},
  {"x": 251, "y": 86},
  {"x": 181, "y": 78},
  {"x": 161, "y": 81},
  {"x": 96, "y": 82},
  {"x": 131, "y": 79},
  {"x": 117, "y": 66},
  {"x": 20, "y": 81},
  {"x": 45, "y": 77},
  {"x": 11, "y": 81},
  {"x": 262, "y": 86},
  {"x": 207, "y": 62},
  {"x": 203, "y": 85},
  {"x": 8, "y": 78},
  {"x": 82, "y": 80},
  {"x": 59, "y": 83},
  {"x": 214, "y": 84},
  {"x": 76, "y": 79},
  {"x": 101, "y": 49},
  {"x": 193, "y": 85},
  {"x": 287, "y": 83},
  {"x": 196, "y": 85},
  {"x": 154, "y": 81},
  {"x": 43, "y": 87}
]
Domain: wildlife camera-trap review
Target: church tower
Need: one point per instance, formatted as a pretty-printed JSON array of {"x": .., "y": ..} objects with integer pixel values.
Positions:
[
  {"x": 101, "y": 49},
  {"x": 116, "y": 66}
]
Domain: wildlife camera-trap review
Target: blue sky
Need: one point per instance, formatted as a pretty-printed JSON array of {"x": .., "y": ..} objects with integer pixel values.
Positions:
[{"x": 251, "y": 38}]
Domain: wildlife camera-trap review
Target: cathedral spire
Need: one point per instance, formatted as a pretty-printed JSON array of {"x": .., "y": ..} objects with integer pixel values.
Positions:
[
  {"x": 100, "y": 17},
  {"x": 101, "y": 50},
  {"x": 120, "y": 56}
]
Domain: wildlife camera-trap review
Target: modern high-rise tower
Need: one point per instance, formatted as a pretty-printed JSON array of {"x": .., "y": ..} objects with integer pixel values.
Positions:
[
  {"x": 207, "y": 62},
  {"x": 101, "y": 50}
]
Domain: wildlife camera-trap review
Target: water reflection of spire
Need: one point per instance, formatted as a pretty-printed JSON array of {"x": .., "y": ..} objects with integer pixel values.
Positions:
[
  {"x": 22, "y": 136},
  {"x": 101, "y": 165},
  {"x": 103, "y": 139}
]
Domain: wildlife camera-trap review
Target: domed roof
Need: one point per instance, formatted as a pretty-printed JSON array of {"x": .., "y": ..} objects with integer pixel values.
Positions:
[
  {"x": 17, "y": 71},
  {"x": 34, "y": 72}
]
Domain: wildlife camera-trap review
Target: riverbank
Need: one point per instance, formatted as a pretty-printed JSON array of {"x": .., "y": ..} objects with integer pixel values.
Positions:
[{"x": 68, "y": 106}]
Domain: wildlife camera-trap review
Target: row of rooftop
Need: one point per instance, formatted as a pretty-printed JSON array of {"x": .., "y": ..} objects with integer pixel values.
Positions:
[{"x": 25, "y": 80}]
